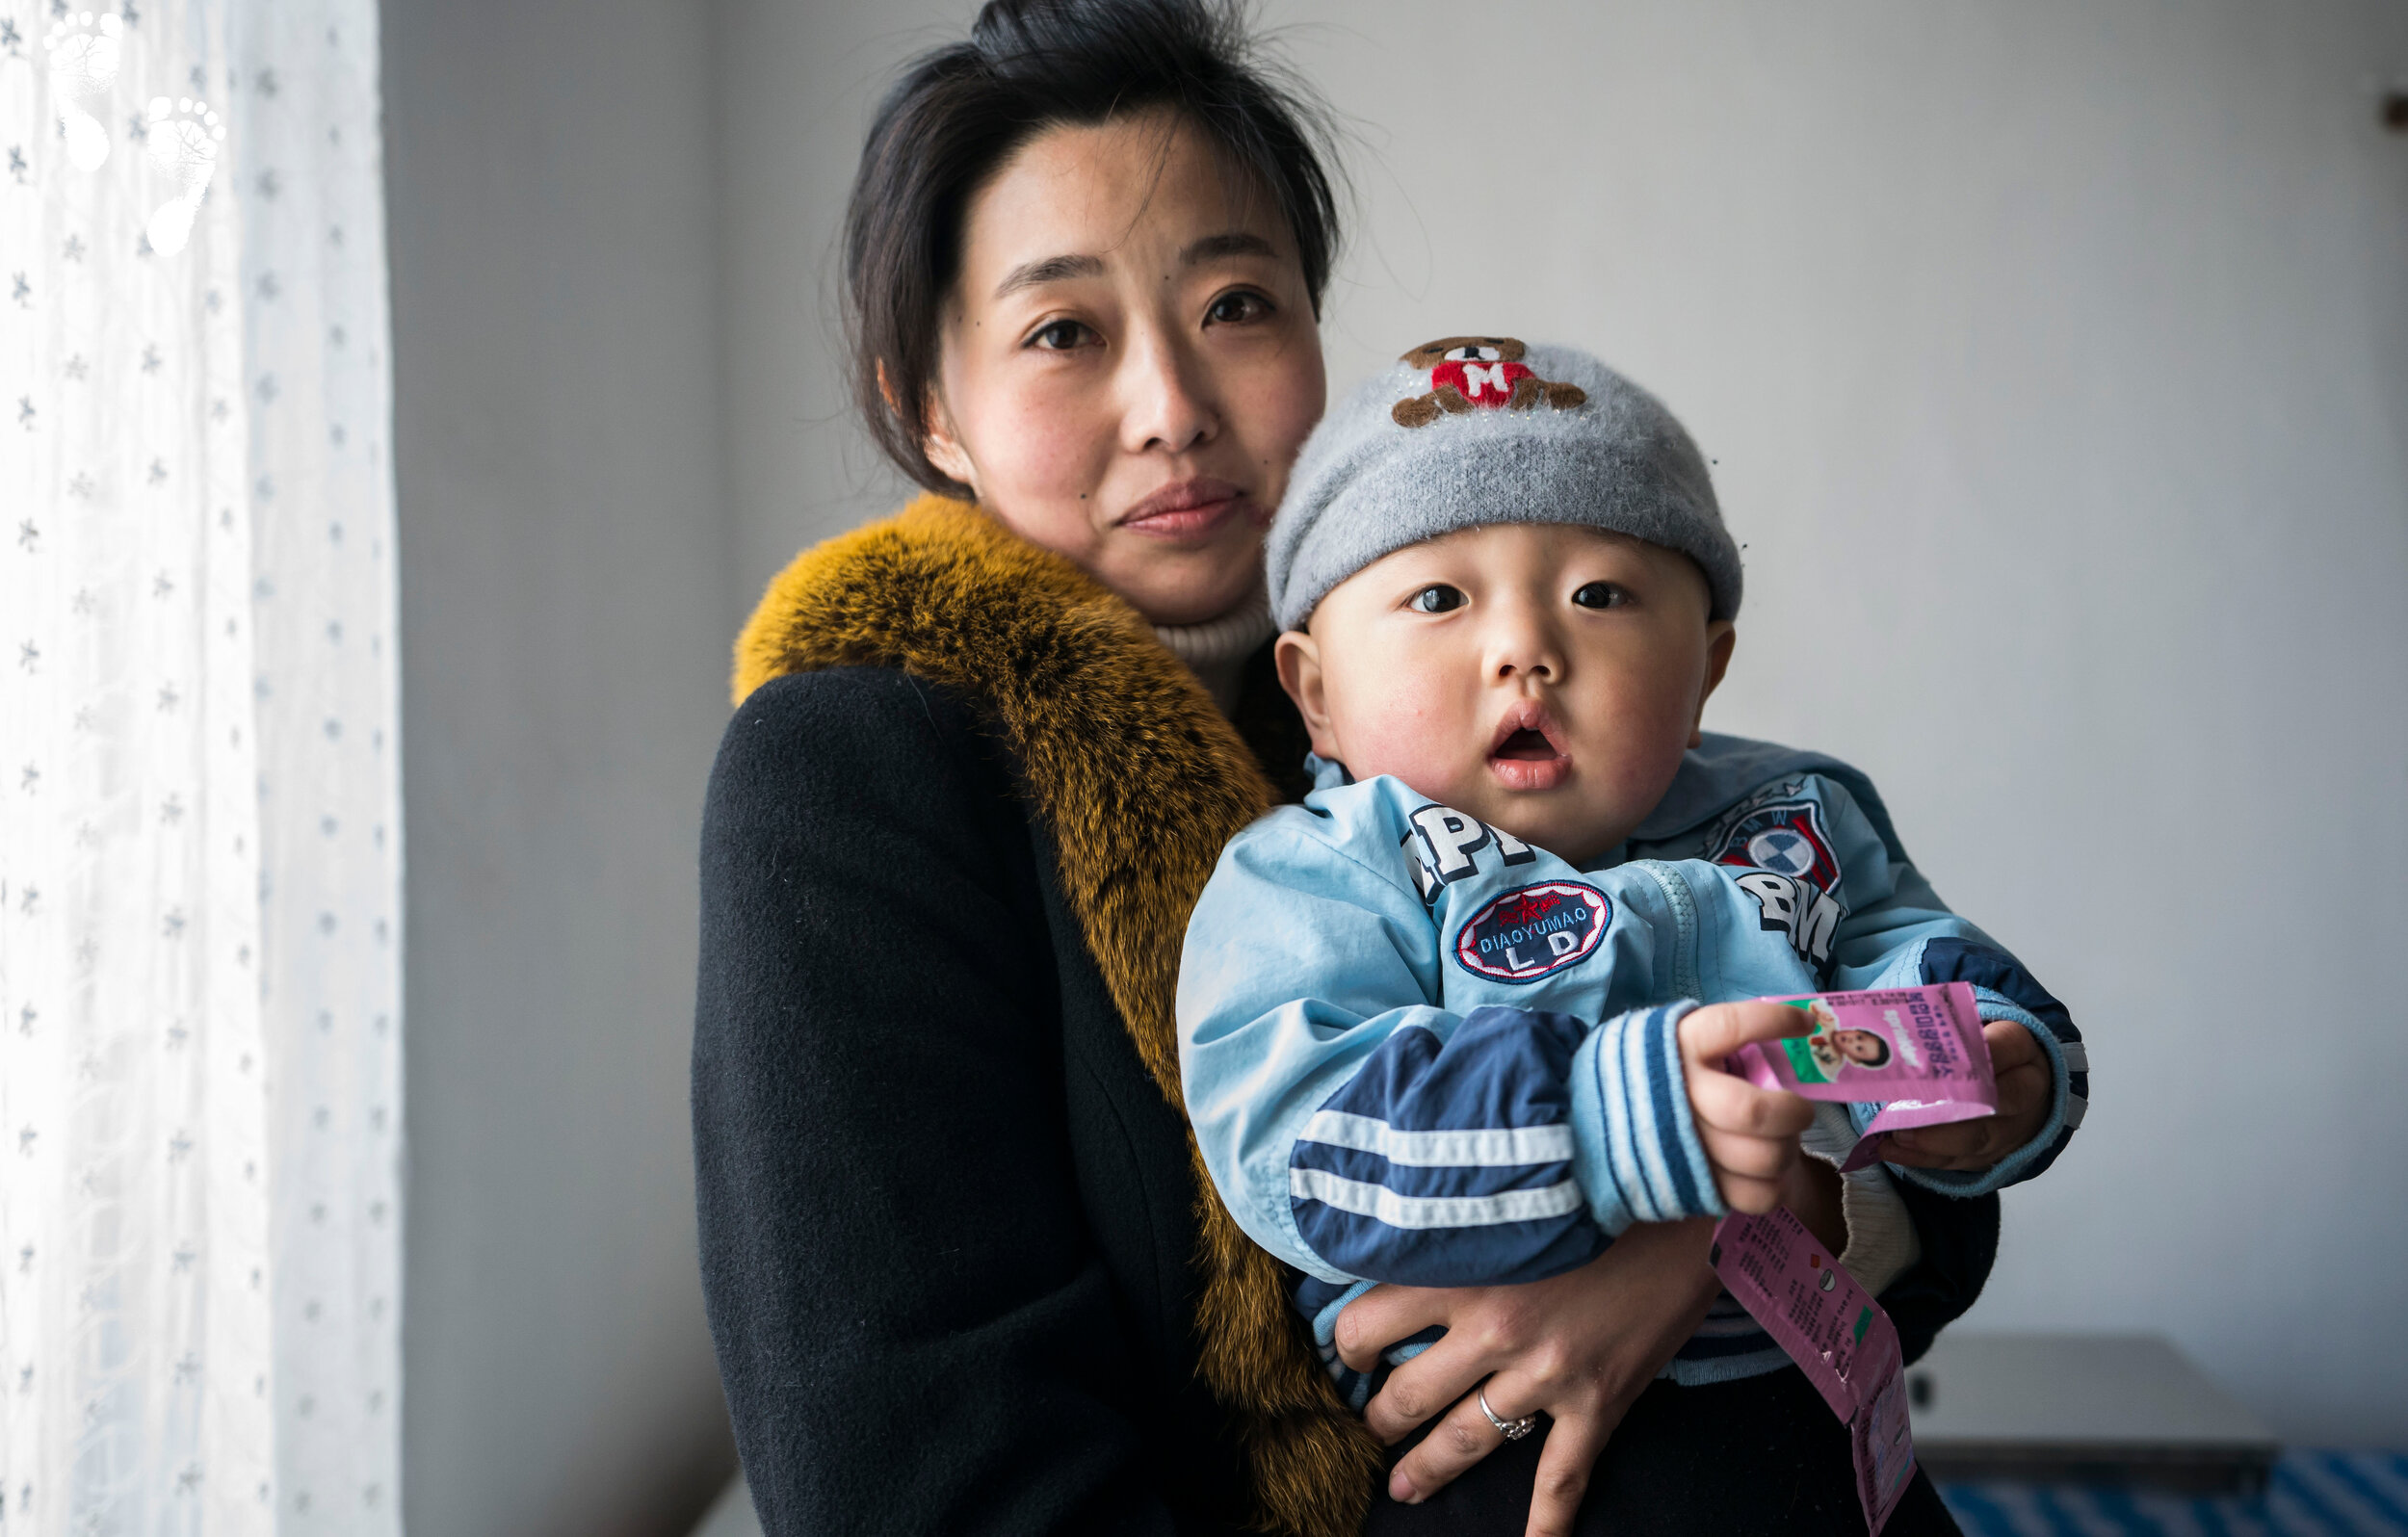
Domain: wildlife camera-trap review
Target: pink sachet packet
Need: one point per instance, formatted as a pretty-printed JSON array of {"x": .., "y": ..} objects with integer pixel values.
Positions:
[
  {"x": 1838, "y": 1335},
  {"x": 1916, "y": 1051}
]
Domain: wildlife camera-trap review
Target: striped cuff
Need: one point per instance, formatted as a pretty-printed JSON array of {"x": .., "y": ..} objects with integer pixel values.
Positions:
[{"x": 1635, "y": 1148}]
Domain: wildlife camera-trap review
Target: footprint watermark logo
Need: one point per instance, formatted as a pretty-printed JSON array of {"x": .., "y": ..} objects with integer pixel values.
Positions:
[
  {"x": 86, "y": 50},
  {"x": 183, "y": 142}
]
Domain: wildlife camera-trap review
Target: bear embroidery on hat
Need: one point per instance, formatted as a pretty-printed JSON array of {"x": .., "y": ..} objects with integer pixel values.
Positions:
[{"x": 1472, "y": 372}]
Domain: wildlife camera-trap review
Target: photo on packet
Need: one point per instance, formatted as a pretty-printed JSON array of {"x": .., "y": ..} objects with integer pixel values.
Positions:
[{"x": 1833, "y": 1048}]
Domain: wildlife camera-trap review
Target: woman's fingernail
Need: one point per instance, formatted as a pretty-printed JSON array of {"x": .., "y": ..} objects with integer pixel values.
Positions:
[{"x": 1400, "y": 1488}]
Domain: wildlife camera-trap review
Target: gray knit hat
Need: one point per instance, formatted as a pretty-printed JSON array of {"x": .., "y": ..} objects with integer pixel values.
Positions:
[{"x": 1467, "y": 431}]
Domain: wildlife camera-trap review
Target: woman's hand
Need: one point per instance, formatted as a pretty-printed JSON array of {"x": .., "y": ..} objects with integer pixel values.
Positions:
[
  {"x": 2025, "y": 1087},
  {"x": 1579, "y": 1347}
]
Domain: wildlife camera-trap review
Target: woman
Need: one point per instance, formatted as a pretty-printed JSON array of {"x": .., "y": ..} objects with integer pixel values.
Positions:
[{"x": 963, "y": 1274}]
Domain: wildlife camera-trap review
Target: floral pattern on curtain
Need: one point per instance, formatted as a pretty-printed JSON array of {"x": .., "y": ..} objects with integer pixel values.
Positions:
[{"x": 200, "y": 833}]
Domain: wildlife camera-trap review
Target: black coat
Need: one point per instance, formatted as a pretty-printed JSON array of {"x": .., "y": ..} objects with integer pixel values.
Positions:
[
  {"x": 953, "y": 1243},
  {"x": 948, "y": 1220}
]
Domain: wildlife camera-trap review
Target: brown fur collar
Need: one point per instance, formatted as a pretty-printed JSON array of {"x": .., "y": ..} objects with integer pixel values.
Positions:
[{"x": 1141, "y": 781}]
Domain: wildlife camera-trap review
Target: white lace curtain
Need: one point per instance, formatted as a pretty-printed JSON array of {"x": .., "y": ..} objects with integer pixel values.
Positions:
[{"x": 199, "y": 838}]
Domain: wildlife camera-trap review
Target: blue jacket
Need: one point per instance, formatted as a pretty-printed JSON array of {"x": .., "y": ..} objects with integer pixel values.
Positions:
[{"x": 1417, "y": 1050}]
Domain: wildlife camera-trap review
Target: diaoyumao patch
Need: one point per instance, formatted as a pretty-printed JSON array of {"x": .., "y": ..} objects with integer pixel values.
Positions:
[{"x": 1534, "y": 931}]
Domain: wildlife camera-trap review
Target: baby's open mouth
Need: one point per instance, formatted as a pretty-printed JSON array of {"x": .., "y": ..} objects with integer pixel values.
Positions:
[{"x": 1528, "y": 752}]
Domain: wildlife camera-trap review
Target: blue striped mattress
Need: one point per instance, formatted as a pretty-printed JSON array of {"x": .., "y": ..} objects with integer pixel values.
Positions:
[{"x": 2313, "y": 1493}]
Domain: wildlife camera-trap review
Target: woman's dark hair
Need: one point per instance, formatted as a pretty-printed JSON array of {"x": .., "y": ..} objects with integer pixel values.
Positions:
[{"x": 960, "y": 112}]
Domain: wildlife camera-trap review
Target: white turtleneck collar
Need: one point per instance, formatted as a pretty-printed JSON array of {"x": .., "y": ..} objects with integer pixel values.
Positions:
[{"x": 1216, "y": 650}]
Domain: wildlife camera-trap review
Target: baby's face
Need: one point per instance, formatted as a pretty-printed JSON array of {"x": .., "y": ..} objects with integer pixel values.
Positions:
[
  {"x": 1541, "y": 677},
  {"x": 1862, "y": 1046}
]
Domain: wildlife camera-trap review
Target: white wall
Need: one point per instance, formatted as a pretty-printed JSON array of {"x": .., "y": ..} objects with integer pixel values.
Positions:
[
  {"x": 2056, "y": 358},
  {"x": 565, "y": 623},
  {"x": 797, "y": 84}
]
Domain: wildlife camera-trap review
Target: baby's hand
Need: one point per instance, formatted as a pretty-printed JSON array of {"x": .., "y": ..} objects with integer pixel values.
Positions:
[
  {"x": 1751, "y": 1134},
  {"x": 2026, "y": 1087}
]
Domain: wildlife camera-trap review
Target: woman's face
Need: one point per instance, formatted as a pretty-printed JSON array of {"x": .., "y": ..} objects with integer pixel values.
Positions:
[{"x": 1130, "y": 361}]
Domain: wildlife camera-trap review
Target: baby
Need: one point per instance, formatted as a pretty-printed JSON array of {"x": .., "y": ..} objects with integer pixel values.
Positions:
[
  {"x": 1820, "y": 1055},
  {"x": 1456, "y": 1019}
]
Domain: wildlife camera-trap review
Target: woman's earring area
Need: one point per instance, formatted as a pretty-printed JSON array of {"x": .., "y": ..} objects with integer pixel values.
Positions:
[{"x": 940, "y": 443}]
